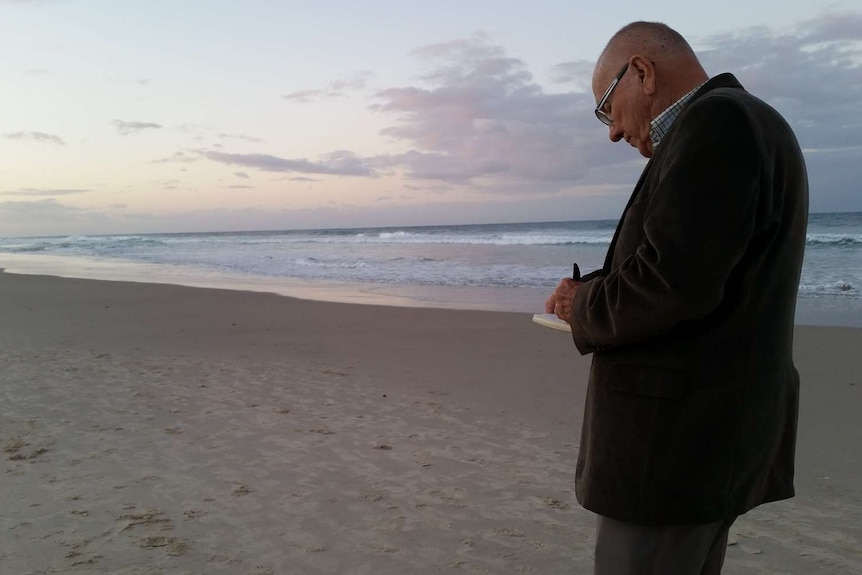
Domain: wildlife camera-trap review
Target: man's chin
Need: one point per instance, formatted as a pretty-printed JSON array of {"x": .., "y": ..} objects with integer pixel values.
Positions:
[{"x": 645, "y": 148}]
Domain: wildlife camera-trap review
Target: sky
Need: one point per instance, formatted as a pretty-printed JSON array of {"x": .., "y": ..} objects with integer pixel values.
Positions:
[{"x": 120, "y": 116}]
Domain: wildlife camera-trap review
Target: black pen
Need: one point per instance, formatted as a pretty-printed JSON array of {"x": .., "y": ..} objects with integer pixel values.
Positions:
[{"x": 576, "y": 273}]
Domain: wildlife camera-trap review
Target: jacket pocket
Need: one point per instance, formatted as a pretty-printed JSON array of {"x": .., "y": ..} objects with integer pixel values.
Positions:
[{"x": 647, "y": 381}]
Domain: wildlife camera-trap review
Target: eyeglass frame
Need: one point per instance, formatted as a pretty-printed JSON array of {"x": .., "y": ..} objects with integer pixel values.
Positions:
[{"x": 600, "y": 113}]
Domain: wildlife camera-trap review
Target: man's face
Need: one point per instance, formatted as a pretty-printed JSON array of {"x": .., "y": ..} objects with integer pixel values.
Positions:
[{"x": 626, "y": 106}]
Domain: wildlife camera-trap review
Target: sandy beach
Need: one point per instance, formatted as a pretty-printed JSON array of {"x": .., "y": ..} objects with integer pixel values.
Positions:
[{"x": 158, "y": 429}]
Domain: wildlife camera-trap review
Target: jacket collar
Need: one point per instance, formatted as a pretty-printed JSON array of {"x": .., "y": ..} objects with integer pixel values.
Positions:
[{"x": 725, "y": 80}]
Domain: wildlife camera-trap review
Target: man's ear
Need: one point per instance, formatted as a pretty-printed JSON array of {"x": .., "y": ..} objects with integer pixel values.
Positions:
[{"x": 645, "y": 70}]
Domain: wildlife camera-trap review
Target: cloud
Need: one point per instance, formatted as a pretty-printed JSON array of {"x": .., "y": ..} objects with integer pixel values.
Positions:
[
  {"x": 834, "y": 177},
  {"x": 812, "y": 76},
  {"x": 242, "y": 175},
  {"x": 32, "y": 192},
  {"x": 13, "y": 208},
  {"x": 240, "y": 137},
  {"x": 387, "y": 199},
  {"x": 51, "y": 217},
  {"x": 336, "y": 89},
  {"x": 190, "y": 128},
  {"x": 177, "y": 157},
  {"x": 353, "y": 83},
  {"x": 478, "y": 115},
  {"x": 834, "y": 26},
  {"x": 303, "y": 96},
  {"x": 430, "y": 188},
  {"x": 308, "y": 96},
  {"x": 39, "y": 137},
  {"x": 577, "y": 74},
  {"x": 45, "y": 216},
  {"x": 340, "y": 163},
  {"x": 127, "y": 128}
]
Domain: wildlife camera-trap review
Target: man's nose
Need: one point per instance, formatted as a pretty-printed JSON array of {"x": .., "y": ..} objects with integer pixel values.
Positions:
[{"x": 614, "y": 133}]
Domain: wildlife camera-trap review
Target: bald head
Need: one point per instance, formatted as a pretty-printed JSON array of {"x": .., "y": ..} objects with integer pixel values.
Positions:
[
  {"x": 652, "y": 38},
  {"x": 675, "y": 64}
]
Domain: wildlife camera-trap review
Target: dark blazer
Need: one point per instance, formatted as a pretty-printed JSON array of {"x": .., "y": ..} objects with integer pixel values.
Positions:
[{"x": 692, "y": 403}]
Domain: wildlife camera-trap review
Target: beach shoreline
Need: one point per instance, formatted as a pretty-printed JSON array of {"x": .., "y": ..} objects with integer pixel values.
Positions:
[
  {"x": 152, "y": 428},
  {"x": 813, "y": 311},
  {"x": 509, "y": 299}
]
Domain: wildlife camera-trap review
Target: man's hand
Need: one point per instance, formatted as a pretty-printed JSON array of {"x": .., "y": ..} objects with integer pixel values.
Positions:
[{"x": 560, "y": 302}]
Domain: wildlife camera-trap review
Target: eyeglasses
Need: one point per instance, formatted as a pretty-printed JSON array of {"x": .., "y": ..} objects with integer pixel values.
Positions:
[{"x": 600, "y": 113}]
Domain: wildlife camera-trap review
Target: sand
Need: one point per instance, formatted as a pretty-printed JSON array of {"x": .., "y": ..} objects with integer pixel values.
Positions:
[{"x": 151, "y": 429}]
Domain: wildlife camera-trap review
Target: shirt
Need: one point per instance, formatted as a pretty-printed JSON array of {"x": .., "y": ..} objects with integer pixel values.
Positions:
[{"x": 662, "y": 123}]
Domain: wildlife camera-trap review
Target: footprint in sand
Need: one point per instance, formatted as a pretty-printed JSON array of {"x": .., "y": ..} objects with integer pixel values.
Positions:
[
  {"x": 556, "y": 504},
  {"x": 91, "y": 561},
  {"x": 192, "y": 513},
  {"x": 508, "y": 532},
  {"x": 28, "y": 456},
  {"x": 14, "y": 444},
  {"x": 173, "y": 546},
  {"x": 241, "y": 490},
  {"x": 149, "y": 517}
]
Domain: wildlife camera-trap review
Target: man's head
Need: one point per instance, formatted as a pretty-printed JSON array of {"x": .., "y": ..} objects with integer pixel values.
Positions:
[{"x": 655, "y": 67}]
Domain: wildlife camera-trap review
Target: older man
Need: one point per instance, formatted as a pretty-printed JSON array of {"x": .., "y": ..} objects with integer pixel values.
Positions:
[{"x": 691, "y": 410}]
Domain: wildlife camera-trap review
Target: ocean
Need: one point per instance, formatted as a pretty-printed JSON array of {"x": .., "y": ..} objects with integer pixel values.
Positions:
[{"x": 489, "y": 266}]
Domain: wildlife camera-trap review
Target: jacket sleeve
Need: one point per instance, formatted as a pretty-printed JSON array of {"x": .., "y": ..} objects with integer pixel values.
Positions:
[{"x": 698, "y": 221}]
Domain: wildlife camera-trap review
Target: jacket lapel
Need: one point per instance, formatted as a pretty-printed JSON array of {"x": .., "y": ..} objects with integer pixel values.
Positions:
[{"x": 606, "y": 268}]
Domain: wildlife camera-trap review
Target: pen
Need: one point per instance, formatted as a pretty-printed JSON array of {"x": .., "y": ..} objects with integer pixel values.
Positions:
[{"x": 576, "y": 273}]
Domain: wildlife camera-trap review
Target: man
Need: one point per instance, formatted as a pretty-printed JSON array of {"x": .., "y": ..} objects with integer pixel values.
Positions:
[{"x": 691, "y": 410}]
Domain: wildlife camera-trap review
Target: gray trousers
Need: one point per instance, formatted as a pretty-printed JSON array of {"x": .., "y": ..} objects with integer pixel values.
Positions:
[{"x": 630, "y": 549}]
